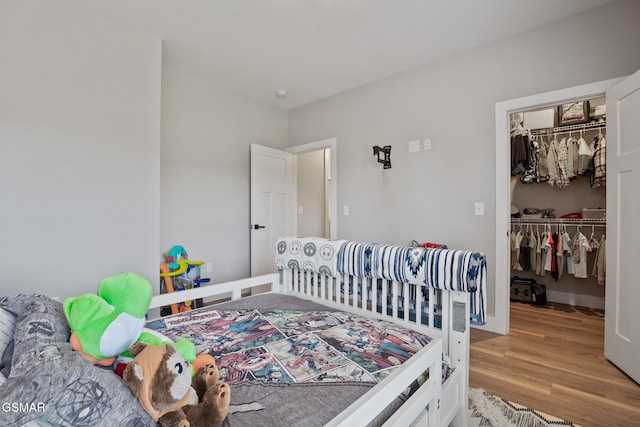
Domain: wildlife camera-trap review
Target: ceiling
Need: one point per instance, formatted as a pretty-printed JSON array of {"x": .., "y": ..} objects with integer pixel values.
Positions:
[{"x": 313, "y": 49}]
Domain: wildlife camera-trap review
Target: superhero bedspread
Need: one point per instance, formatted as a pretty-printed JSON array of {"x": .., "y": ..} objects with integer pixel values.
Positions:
[{"x": 305, "y": 350}]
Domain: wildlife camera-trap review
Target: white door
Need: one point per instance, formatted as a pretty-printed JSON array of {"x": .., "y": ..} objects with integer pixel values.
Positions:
[
  {"x": 273, "y": 201},
  {"x": 622, "y": 314}
]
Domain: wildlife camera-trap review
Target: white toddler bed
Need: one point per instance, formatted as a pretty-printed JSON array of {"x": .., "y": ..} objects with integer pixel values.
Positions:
[{"x": 436, "y": 292}]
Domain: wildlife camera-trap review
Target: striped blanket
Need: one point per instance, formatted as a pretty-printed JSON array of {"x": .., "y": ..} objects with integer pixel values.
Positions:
[{"x": 449, "y": 269}]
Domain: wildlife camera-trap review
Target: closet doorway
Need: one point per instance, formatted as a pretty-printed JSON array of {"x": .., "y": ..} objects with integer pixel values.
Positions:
[
  {"x": 500, "y": 321},
  {"x": 621, "y": 335}
]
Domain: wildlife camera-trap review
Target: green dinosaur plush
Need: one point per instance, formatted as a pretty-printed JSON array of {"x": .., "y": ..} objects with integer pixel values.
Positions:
[{"x": 105, "y": 325}]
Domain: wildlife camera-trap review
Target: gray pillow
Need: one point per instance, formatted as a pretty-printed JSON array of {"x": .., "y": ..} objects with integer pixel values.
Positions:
[{"x": 55, "y": 384}]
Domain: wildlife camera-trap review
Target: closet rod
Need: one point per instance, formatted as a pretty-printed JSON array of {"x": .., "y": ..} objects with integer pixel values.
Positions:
[
  {"x": 582, "y": 126},
  {"x": 568, "y": 221}
]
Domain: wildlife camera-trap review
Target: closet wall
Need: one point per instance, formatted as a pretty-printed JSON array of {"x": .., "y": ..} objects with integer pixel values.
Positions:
[{"x": 546, "y": 124}]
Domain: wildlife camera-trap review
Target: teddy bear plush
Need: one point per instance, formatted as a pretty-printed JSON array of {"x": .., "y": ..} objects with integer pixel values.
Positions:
[
  {"x": 213, "y": 406},
  {"x": 160, "y": 378}
]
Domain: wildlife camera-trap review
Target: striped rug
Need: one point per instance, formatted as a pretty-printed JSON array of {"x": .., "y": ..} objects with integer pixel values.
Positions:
[{"x": 492, "y": 411}]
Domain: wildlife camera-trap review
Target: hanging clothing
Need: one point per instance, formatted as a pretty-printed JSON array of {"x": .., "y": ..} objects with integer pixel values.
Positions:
[
  {"x": 554, "y": 240},
  {"x": 599, "y": 163},
  {"x": 515, "y": 250},
  {"x": 533, "y": 246},
  {"x": 568, "y": 256},
  {"x": 541, "y": 256},
  {"x": 519, "y": 153},
  {"x": 563, "y": 164},
  {"x": 560, "y": 255},
  {"x": 530, "y": 174},
  {"x": 552, "y": 162},
  {"x": 599, "y": 266},
  {"x": 585, "y": 156},
  {"x": 580, "y": 248},
  {"x": 543, "y": 168},
  {"x": 571, "y": 172},
  {"x": 525, "y": 256}
]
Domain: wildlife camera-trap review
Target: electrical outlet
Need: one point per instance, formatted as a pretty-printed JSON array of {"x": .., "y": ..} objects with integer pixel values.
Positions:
[{"x": 427, "y": 144}]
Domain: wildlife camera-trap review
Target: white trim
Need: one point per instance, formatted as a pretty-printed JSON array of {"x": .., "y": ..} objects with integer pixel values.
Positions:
[
  {"x": 500, "y": 322},
  {"x": 332, "y": 144}
]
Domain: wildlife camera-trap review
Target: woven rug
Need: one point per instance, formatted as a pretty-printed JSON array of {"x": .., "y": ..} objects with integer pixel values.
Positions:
[{"x": 492, "y": 411}]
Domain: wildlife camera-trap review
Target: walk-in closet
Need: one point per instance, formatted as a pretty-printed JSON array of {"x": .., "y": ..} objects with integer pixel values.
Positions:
[{"x": 558, "y": 200}]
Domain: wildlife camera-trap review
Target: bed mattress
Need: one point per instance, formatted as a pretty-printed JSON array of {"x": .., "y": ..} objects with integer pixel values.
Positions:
[{"x": 274, "y": 349}]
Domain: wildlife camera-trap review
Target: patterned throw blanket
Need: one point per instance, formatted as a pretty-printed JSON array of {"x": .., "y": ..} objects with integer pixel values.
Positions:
[
  {"x": 284, "y": 346},
  {"x": 449, "y": 269}
]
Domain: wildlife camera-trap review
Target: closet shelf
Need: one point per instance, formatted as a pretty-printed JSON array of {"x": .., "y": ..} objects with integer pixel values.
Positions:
[
  {"x": 549, "y": 221},
  {"x": 582, "y": 126}
]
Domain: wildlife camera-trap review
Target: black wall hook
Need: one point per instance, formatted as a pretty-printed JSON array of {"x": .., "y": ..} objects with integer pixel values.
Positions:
[{"x": 384, "y": 155}]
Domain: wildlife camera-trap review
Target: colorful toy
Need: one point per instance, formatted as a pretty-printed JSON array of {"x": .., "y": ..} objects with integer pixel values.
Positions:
[
  {"x": 179, "y": 273},
  {"x": 105, "y": 325}
]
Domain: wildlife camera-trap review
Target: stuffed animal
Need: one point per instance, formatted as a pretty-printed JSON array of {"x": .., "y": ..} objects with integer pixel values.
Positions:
[
  {"x": 160, "y": 378},
  {"x": 213, "y": 406},
  {"x": 206, "y": 377},
  {"x": 105, "y": 325},
  {"x": 153, "y": 337}
]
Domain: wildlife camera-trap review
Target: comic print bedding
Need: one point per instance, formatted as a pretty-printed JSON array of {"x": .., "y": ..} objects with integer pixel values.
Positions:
[{"x": 300, "y": 348}]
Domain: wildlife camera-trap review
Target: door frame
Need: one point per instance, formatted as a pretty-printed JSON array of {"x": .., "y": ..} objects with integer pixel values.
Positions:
[
  {"x": 499, "y": 323},
  {"x": 332, "y": 145}
]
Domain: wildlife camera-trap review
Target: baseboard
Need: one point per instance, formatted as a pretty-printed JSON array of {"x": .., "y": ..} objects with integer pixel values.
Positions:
[{"x": 581, "y": 300}]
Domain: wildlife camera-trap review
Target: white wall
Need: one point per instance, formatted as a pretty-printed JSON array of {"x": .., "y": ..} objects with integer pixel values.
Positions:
[
  {"x": 430, "y": 195},
  {"x": 206, "y": 137},
  {"x": 79, "y": 149}
]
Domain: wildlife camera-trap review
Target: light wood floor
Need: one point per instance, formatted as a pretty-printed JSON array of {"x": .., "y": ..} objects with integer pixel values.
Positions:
[{"x": 553, "y": 361}]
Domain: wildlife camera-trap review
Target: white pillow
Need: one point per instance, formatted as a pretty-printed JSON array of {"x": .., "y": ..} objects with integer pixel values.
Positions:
[{"x": 7, "y": 329}]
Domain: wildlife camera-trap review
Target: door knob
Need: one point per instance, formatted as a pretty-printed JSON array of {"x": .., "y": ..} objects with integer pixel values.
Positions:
[{"x": 258, "y": 226}]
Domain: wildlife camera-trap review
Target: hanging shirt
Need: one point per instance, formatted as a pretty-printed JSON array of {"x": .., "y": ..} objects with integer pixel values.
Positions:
[
  {"x": 543, "y": 168},
  {"x": 533, "y": 247},
  {"x": 599, "y": 164},
  {"x": 563, "y": 164},
  {"x": 599, "y": 267},
  {"x": 552, "y": 162},
  {"x": 548, "y": 246},
  {"x": 515, "y": 250},
  {"x": 585, "y": 155},
  {"x": 559, "y": 254},
  {"x": 568, "y": 255},
  {"x": 571, "y": 172},
  {"x": 519, "y": 150},
  {"x": 539, "y": 238},
  {"x": 525, "y": 257},
  {"x": 579, "y": 252}
]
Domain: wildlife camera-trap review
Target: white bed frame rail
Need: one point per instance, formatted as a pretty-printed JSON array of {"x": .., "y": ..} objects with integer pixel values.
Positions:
[{"x": 434, "y": 403}]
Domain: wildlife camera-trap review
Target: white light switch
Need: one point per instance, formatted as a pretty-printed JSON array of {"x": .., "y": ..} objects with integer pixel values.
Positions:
[
  {"x": 300, "y": 210},
  {"x": 345, "y": 210},
  {"x": 414, "y": 146},
  {"x": 479, "y": 208}
]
